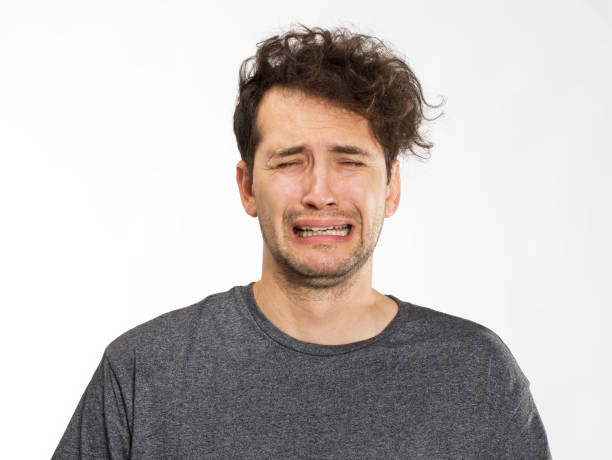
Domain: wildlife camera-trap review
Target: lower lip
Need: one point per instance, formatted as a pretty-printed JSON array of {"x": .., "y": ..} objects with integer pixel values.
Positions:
[{"x": 321, "y": 239}]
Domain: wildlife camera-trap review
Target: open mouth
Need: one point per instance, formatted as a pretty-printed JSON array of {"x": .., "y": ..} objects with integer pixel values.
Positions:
[{"x": 336, "y": 230}]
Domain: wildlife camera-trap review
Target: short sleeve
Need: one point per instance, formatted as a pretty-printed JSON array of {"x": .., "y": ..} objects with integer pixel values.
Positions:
[
  {"x": 524, "y": 436},
  {"x": 516, "y": 429},
  {"x": 99, "y": 427}
]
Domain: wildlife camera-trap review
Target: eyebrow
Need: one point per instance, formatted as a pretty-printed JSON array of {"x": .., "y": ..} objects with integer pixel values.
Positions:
[
  {"x": 349, "y": 149},
  {"x": 287, "y": 152}
]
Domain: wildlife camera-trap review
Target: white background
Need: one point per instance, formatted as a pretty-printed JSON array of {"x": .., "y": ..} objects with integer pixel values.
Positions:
[{"x": 118, "y": 200}]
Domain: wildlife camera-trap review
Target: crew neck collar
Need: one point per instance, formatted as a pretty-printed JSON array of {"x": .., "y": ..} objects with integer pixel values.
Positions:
[{"x": 248, "y": 299}]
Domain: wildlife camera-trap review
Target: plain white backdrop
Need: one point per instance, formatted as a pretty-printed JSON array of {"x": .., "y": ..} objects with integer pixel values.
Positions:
[{"x": 118, "y": 200}]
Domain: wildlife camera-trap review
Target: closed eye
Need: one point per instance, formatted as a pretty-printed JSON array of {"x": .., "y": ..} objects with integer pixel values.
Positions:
[
  {"x": 288, "y": 163},
  {"x": 352, "y": 163}
]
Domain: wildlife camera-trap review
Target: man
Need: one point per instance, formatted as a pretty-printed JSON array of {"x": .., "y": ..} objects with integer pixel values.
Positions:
[{"x": 310, "y": 361}]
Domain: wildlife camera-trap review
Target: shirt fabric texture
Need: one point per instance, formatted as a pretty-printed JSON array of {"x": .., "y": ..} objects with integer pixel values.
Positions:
[{"x": 218, "y": 380}]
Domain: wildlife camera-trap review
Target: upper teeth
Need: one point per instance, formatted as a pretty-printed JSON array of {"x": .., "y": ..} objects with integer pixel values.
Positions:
[
  {"x": 320, "y": 229},
  {"x": 334, "y": 230}
]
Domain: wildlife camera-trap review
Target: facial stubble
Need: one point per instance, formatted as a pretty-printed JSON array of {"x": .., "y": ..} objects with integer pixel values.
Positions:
[{"x": 297, "y": 273}]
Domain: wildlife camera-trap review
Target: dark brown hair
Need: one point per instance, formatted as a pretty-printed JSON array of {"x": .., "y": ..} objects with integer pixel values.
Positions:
[{"x": 354, "y": 71}]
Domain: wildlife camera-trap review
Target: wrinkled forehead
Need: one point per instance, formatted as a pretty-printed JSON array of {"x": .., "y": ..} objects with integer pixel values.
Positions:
[{"x": 289, "y": 117}]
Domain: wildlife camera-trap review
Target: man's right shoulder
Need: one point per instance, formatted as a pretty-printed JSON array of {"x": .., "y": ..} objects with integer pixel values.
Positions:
[{"x": 166, "y": 334}]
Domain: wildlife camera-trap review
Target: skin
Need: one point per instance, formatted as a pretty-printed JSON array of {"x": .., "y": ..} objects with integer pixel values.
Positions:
[{"x": 319, "y": 291}]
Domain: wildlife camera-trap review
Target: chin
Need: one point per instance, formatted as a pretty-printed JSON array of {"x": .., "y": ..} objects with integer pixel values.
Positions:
[
  {"x": 318, "y": 280},
  {"x": 321, "y": 274}
]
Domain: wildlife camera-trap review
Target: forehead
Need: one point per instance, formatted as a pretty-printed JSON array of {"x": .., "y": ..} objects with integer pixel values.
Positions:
[{"x": 287, "y": 116}]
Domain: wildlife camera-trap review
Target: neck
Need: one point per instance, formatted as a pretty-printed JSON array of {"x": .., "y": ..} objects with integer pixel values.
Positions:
[{"x": 345, "y": 311}]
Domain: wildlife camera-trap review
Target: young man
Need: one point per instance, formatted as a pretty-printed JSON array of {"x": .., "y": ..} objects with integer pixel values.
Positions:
[{"x": 310, "y": 361}]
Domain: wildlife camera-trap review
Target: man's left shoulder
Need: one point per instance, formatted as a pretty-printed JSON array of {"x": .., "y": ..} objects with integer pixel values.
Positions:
[{"x": 464, "y": 340}]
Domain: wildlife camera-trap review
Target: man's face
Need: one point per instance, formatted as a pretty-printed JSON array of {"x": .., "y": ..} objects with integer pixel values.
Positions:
[{"x": 319, "y": 188}]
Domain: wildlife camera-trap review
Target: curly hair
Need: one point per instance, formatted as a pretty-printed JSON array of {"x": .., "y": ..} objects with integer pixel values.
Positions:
[{"x": 355, "y": 71}]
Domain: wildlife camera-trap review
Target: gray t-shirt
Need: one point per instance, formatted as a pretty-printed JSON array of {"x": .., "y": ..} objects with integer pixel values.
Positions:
[{"x": 218, "y": 380}]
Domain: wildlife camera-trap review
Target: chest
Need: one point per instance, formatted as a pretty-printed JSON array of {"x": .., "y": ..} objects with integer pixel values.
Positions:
[{"x": 272, "y": 407}]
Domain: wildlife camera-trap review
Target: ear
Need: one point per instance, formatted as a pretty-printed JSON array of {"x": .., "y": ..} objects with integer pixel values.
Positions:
[
  {"x": 392, "y": 198},
  {"x": 245, "y": 186}
]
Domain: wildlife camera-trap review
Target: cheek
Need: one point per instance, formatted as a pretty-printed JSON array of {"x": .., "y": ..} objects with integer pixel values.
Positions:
[
  {"x": 275, "y": 197},
  {"x": 365, "y": 194}
]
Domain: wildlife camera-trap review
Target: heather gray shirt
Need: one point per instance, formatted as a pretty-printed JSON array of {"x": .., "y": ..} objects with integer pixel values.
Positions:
[{"x": 218, "y": 380}]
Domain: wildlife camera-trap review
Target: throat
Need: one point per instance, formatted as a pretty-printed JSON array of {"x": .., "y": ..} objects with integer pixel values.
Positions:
[{"x": 337, "y": 320}]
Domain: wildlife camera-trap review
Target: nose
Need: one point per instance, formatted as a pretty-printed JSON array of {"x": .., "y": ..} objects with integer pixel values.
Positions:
[{"x": 318, "y": 188}]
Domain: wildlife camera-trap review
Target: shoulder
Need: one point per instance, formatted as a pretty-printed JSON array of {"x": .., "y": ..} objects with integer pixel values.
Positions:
[
  {"x": 445, "y": 328},
  {"x": 164, "y": 335},
  {"x": 464, "y": 342}
]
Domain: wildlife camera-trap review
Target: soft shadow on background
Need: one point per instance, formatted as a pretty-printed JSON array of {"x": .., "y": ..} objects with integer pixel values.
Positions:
[{"x": 118, "y": 201}]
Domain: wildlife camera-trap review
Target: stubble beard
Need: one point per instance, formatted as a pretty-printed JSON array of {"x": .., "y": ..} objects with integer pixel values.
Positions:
[{"x": 300, "y": 275}]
